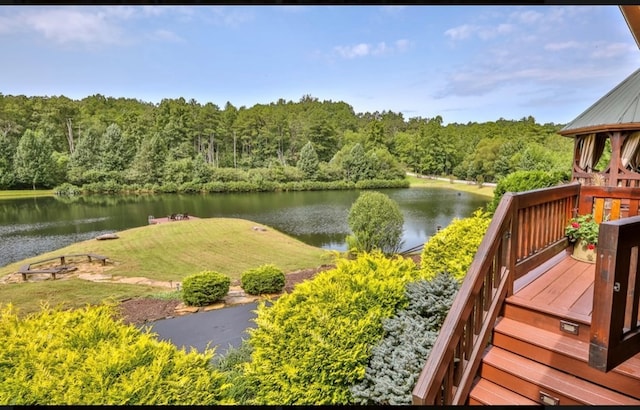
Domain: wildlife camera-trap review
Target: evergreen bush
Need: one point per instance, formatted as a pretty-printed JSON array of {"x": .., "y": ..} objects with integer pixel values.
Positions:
[
  {"x": 67, "y": 189},
  {"x": 242, "y": 387},
  {"x": 204, "y": 288},
  {"x": 521, "y": 181},
  {"x": 264, "y": 279},
  {"x": 397, "y": 360},
  {"x": 85, "y": 357},
  {"x": 311, "y": 345},
  {"x": 376, "y": 223},
  {"x": 453, "y": 248}
]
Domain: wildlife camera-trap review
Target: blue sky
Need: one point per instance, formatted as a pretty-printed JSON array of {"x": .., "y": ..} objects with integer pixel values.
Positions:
[{"x": 464, "y": 63}]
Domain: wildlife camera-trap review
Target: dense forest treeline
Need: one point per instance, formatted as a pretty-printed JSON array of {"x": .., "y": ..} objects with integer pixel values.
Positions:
[{"x": 104, "y": 141}]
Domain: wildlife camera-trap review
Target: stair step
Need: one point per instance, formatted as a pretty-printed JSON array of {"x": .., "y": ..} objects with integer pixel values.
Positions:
[
  {"x": 533, "y": 380},
  {"x": 487, "y": 393},
  {"x": 566, "y": 354},
  {"x": 546, "y": 321}
]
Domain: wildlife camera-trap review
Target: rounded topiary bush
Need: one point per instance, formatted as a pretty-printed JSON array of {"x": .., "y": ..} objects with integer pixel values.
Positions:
[
  {"x": 264, "y": 279},
  {"x": 203, "y": 288}
]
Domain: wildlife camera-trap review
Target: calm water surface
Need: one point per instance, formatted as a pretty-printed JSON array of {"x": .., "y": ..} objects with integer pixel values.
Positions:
[{"x": 32, "y": 226}]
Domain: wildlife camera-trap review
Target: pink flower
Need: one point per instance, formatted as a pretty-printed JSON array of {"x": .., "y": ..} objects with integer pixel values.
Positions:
[
  {"x": 575, "y": 225},
  {"x": 591, "y": 246}
]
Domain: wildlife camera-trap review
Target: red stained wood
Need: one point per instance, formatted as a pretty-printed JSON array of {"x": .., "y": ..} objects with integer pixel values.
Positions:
[
  {"x": 528, "y": 378},
  {"x": 486, "y": 393},
  {"x": 564, "y": 353}
]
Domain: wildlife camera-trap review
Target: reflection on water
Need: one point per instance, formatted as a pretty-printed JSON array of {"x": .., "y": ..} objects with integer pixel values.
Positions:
[{"x": 32, "y": 226}]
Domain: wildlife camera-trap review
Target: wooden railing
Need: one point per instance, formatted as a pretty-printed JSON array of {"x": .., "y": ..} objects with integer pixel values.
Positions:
[
  {"x": 615, "y": 330},
  {"x": 527, "y": 228}
]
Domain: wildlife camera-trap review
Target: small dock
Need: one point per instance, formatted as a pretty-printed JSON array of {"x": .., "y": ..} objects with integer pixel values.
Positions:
[{"x": 171, "y": 218}]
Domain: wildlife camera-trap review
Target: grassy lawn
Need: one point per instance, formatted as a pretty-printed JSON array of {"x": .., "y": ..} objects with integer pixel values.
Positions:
[
  {"x": 166, "y": 252},
  {"x": 25, "y": 193},
  {"x": 435, "y": 183},
  {"x": 173, "y": 250},
  {"x": 71, "y": 293}
]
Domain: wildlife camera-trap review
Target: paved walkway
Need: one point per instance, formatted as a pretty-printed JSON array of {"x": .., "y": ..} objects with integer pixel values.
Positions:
[{"x": 220, "y": 328}]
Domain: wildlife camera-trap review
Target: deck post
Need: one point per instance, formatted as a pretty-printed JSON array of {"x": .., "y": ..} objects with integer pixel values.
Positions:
[{"x": 615, "y": 331}]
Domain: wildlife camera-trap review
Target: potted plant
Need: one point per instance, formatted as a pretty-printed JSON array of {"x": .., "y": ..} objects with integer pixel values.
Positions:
[{"x": 582, "y": 231}]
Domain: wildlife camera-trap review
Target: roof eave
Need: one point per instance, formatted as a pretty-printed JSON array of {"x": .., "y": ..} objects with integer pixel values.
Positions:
[
  {"x": 632, "y": 17},
  {"x": 631, "y": 126}
]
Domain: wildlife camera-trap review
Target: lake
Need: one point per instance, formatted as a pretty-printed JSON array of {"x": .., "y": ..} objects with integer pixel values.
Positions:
[{"x": 32, "y": 226}]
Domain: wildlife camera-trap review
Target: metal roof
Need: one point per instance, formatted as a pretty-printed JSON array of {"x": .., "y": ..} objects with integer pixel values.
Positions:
[{"x": 619, "y": 109}]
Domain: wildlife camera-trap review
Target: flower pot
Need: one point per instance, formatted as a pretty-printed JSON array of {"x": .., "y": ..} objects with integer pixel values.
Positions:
[{"x": 582, "y": 252}]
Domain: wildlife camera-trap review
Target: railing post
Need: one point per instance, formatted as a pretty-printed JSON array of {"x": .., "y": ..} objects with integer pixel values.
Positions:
[
  {"x": 512, "y": 252},
  {"x": 614, "y": 336}
]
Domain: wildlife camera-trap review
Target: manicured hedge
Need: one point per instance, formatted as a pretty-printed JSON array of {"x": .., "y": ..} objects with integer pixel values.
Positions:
[
  {"x": 204, "y": 288},
  {"x": 263, "y": 279}
]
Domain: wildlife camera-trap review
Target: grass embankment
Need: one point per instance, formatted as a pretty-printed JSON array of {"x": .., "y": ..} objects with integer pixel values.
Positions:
[
  {"x": 165, "y": 252},
  {"x": 25, "y": 193},
  {"x": 437, "y": 183}
]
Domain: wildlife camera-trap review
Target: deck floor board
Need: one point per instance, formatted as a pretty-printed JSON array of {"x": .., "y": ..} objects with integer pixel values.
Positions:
[{"x": 566, "y": 287}]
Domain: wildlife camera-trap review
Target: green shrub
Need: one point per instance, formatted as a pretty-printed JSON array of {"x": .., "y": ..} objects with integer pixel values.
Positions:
[
  {"x": 242, "y": 387},
  {"x": 67, "y": 189},
  {"x": 521, "y": 181},
  {"x": 453, "y": 248},
  {"x": 204, "y": 288},
  {"x": 85, "y": 357},
  {"x": 376, "y": 223},
  {"x": 396, "y": 362},
  {"x": 314, "y": 343},
  {"x": 264, "y": 279}
]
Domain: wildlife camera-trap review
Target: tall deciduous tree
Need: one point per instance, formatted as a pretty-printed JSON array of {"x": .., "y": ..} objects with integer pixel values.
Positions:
[{"x": 34, "y": 164}]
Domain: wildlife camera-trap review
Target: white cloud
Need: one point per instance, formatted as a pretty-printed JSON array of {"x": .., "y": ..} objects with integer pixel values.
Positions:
[
  {"x": 402, "y": 45},
  {"x": 366, "y": 49},
  {"x": 527, "y": 17},
  {"x": 7, "y": 24},
  {"x": 232, "y": 17},
  {"x": 563, "y": 46},
  {"x": 166, "y": 35},
  {"x": 612, "y": 50},
  {"x": 461, "y": 32},
  {"x": 72, "y": 25},
  {"x": 466, "y": 31}
]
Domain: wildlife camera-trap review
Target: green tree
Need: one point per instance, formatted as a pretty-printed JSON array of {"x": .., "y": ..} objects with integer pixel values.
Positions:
[
  {"x": 308, "y": 162},
  {"x": 34, "y": 164},
  {"x": 115, "y": 151},
  {"x": 86, "y": 156},
  {"x": 7, "y": 152},
  {"x": 357, "y": 165},
  {"x": 148, "y": 165},
  {"x": 376, "y": 223}
]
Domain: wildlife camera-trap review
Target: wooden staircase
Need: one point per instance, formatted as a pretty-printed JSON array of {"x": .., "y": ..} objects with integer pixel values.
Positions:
[{"x": 532, "y": 361}]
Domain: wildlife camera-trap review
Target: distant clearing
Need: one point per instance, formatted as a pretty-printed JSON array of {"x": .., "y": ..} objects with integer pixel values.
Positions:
[{"x": 437, "y": 183}]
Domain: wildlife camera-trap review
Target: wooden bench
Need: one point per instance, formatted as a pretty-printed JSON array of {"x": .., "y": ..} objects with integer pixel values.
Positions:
[
  {"x": 26, "y": 270},
  {"x": 63, "y": 268},
  {"x": 90, "y": 256}
]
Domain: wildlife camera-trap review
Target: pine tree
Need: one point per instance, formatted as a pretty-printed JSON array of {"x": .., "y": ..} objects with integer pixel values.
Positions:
[{"x": 309, "y": 163}]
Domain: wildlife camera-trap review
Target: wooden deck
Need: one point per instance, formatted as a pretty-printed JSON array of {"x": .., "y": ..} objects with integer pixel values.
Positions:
[
  {"x": 564, "y": 289},
  {"x": 155, "y": 221}
]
